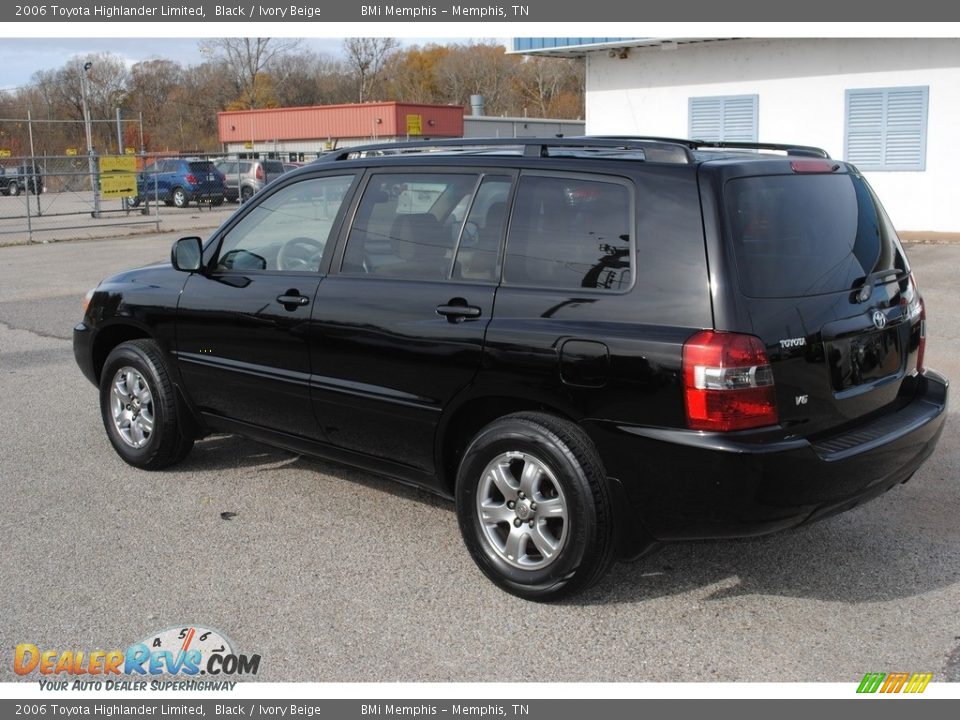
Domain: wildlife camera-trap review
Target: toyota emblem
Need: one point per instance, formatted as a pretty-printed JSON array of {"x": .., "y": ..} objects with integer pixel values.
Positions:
[{"x": 879, "y": 319}]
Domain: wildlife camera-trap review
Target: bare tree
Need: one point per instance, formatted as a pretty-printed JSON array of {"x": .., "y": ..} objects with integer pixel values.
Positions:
[
  {"x": 153, "y": 86},
  {"x": 551, "y": 84},
  {"x": 483, "y": 69},
  {"x": 366, "y": 58},
  {"x": 309, "y": 78},
  {"x": 247, "y": 59},
  {"x": 58, "y": 94}
]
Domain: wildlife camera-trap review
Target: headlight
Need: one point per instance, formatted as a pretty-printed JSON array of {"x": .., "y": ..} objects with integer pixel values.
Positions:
[{"x": 87, "y": 298}]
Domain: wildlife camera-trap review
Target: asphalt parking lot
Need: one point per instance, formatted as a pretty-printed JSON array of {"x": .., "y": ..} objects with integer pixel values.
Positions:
[{"x": 335, "y": 575}]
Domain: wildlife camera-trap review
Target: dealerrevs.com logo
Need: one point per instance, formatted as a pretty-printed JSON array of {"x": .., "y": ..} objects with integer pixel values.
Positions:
[
  {"x": 909, "y": 683},
  {"x": 178, "y": 658}
]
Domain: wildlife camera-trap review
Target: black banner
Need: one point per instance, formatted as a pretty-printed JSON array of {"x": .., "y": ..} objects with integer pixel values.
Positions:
[
  {"x": 615, "y": 709},
  {"x": 533, "y": 11}
]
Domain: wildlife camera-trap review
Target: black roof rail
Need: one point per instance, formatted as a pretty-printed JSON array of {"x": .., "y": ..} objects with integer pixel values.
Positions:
[
  {"x": 660, "y": 150},
  {"x": 794, "y": 150}
]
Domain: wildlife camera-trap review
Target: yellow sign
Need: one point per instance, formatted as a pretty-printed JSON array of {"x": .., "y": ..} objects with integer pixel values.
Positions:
[
  {"x": 118, "y": 185},
  {"x": 130, "y": 151},
  {"x": 4, "y": 152},
  {"x": 414, "y": 125},
  {"x": 71, "y": 151},
  {"x": 248, "y": 145},
  {"x": 118, "y": 163},
  {"x": 117, "y": 175}
]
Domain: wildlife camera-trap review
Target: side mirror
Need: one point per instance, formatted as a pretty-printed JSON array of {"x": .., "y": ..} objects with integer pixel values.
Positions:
[{"x": 186, "y": 254}]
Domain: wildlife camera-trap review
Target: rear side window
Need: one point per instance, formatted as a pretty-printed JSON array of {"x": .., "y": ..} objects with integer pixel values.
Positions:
[
  {"x": 569, "y": 232},
  {"x": 797, "y": 235}
]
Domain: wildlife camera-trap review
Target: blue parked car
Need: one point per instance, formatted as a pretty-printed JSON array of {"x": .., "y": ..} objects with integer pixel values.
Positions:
[{"x": 179, "y": 182}]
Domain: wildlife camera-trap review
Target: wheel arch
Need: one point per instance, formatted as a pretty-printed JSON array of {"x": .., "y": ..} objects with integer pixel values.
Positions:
[
  {"x": 459, "y": 426},
  {"x": 110, "y": 336}
]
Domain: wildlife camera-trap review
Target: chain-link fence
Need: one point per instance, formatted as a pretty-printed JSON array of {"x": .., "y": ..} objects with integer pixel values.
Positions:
[
  {"x": 74, "y": 195},
  {"x": 43, "y": 196}
]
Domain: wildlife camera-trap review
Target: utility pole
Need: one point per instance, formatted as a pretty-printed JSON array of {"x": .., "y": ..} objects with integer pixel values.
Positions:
[{"x": 91, "y": 160}]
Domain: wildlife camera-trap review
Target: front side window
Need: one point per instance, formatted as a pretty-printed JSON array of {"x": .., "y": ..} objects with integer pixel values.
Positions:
[
  {"x": 570, "y": 233},
  {"x": 288, "y": 230},
  {"x": 408, "y": 224},
  {"x": 479, "y": 245}
]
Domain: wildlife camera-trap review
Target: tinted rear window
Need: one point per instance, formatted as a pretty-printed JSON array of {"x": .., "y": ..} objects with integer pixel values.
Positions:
[
  {"x": 570, "y": 233},
  {"x": 201, "y": 166},
  {"x": 273, "y": 167},
  {"x": 797, "y": 235}
]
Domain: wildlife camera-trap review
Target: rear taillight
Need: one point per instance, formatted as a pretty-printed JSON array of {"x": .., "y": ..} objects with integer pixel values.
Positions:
[
  {"x": 191, "y": 179},
  {"x": 912, "y": 307},
  {"x": 259, "y": 172},
  {"x": 728, "y": 382}
]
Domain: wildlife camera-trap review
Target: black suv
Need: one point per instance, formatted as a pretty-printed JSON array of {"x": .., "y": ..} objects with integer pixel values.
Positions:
[
  {"x": 24, "y": 177},
  {"x": 593, "y": 345}
]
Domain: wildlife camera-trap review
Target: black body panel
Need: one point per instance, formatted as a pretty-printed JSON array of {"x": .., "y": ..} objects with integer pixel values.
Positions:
[{"x": 395, "y": 374}]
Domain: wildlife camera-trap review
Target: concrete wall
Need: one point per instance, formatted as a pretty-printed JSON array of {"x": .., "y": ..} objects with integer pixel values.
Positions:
[{"x": 801, "y": 85}]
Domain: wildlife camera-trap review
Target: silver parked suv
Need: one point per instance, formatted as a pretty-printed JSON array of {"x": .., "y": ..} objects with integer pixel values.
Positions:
[{"x": 245, "y": 177}]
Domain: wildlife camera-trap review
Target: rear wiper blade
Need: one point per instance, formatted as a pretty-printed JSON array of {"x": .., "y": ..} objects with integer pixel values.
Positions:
[{"x": 871, "y": 280}]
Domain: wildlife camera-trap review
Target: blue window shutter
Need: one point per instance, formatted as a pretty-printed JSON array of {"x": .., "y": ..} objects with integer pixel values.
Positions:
[
  {"x": 706, "y": 118},
  {"x": 732, "y": 118},
  {"x": 886, "y": 128}
]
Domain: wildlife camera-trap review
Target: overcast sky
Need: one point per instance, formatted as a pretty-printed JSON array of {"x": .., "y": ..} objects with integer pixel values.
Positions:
[{"x": 20, "y": 58}]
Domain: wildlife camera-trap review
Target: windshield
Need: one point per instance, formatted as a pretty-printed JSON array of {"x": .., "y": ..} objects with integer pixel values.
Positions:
[{"x": 796, "y": 235}]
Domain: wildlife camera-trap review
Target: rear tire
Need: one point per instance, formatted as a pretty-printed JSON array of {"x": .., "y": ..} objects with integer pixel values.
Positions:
[
  {"x": 13, "y": 189},
  {"x": 246, "y": 193},
  {"x": 138, "y": 405},
  {"x": 534, "y": 506},
  {"x": 179, "y": 197}
]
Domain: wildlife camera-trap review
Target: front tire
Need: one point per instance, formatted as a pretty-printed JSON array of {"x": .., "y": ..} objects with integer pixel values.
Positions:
[
  {"x": 13, "y": 189},
  {"x": 534, "y": 506},
  {"x": 139, "y": 407}
]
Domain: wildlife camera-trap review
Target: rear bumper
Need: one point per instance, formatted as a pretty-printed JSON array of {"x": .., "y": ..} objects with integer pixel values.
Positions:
[
  {"x": 693, "y": 485},
  {"x": 208, "y": 193}
]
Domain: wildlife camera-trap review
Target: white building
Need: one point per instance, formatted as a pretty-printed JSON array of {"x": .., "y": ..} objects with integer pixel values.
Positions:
[{"x": 891, "y": 106}]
